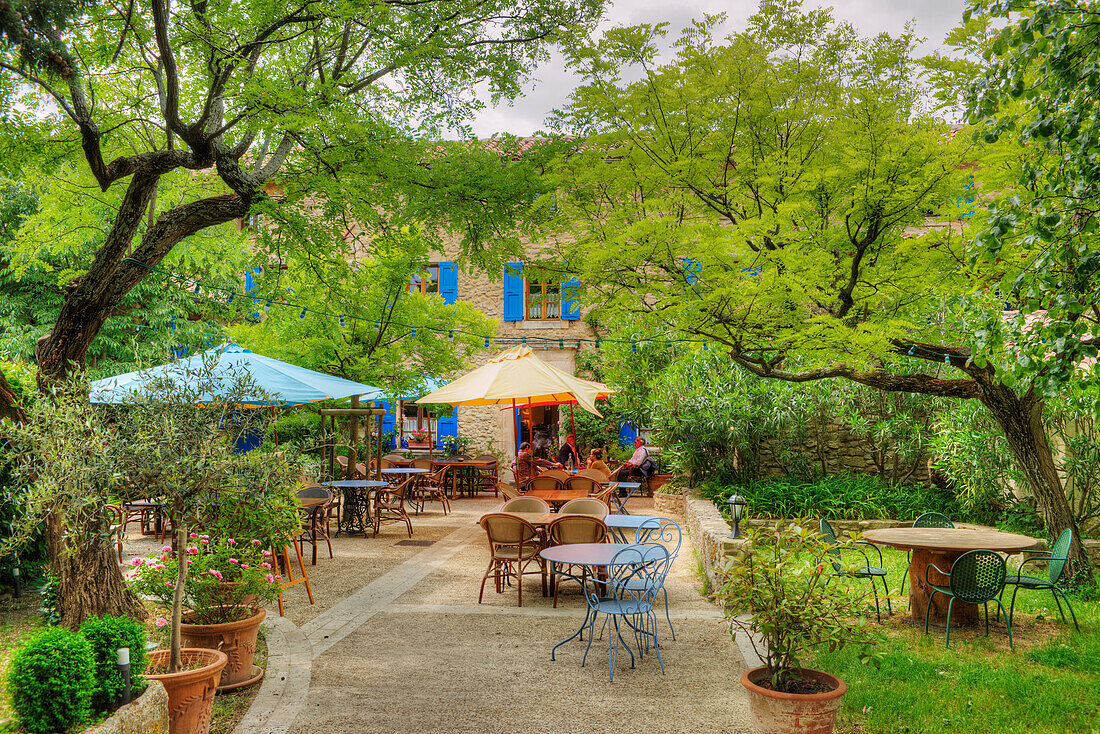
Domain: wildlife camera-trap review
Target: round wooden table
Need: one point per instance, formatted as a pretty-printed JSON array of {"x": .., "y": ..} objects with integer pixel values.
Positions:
[{"x": 941, "y": 546}]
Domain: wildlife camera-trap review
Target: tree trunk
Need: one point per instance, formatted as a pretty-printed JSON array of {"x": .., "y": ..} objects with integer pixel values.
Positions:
[
  {"x": 1021, "y": 419},
  {"x": 9, "y": 403},
  {"x": 89, "y": 581}
]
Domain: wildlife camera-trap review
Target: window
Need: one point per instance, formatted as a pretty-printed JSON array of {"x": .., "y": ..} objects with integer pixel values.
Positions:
[
  {"x": 427, "y": 280},
  {"x": 543, "y": 300},
  {"x": 416, "y": 417}
]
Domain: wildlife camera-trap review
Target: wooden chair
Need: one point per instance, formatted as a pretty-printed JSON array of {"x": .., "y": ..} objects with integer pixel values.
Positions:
[
  {"x": 570, "y": 529},
  {"x": 514, "y": 545},
  {"x": 282, "y": 558},
  {"x": 526, "y": 504},
  {"x": 543, "y": 482},
  {"x": 586, "y": 506},
  {"x": 586, "y": 484},
  {"x": 389, "y": 506}
]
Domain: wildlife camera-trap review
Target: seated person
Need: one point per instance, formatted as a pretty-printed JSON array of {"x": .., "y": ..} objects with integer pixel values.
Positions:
[
  {"x": 527, "y": 466},
  {"x": 639, "y": 466},
  {"x": 568, "y": 455},
  {"x": 595, "y": 461}
]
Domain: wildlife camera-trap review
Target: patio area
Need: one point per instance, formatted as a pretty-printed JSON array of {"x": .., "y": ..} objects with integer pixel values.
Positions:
[{"x": 397, "y": 642}]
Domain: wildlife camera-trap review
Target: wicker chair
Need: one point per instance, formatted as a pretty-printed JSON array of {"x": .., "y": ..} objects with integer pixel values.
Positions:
[
  {"x": 585, "y": 506},
  {"x": 596, "y": 474},
  {"x": 487, "y": 475},
  {"x": 584, "y": 484},
  {"x": 514, "y": 545},
  {"x": 976, "y": 577},
  {"x": 432, "y": 488},
  {"x": 391, "y": 460},
  {"x": 389, "y": 506},
  {"x": 313, "y": 520},
  {"x": 555, "y": 473},
  {"x": 507, "y": 490},
  {"x": 544, "y": 482},
  {"x": 571, "y": 529},
  {"x": 526, "y": 504}
]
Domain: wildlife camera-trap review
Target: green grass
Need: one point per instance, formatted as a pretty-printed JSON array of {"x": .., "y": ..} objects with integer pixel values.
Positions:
[
  {"x": 1049, "y": 683},
  {"x": 19, "y": 620}
]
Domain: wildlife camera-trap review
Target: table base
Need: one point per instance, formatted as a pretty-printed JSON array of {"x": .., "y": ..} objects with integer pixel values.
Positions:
[
  {"x": 962, "y": 614},
  {"x": 356, "y": 516}
]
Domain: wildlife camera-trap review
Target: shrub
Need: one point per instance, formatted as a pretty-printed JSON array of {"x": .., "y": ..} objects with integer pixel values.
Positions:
[
  {"x": 52, "y": 682},
  {"x": 106, "y": 635}
]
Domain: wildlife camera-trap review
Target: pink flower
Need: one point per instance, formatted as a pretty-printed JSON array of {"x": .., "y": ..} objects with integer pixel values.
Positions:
[
  {"x": 136, "y": 561},
  {"x": 265, "y": 564},
  {"x": 193, "y": 535},
  {"x": 255, "y": 542},
  {"x": 193, "y": 550},
  {"x": 278, "y": 576},
  {"x": 267, "y": 553},
  {"x": 232, "y": 560},
  {"x": 205, "y": 537},
  {"x": 168, "y": 584},
  {"x": 270, "y": 579},
  {"x": 161, "y": 621},
  {"x": 215, "y": 573},
  {"x": 205, "y": 541},
  {"x": 167, "y": 549},
  {"x": 189, "y": 561},
  {"x": 159, "y": 567},
  {"x": 245, "y": 565},
  {"x": 230, "y": 541}
]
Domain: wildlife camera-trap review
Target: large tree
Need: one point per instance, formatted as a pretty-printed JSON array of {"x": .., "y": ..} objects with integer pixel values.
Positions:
[
  {"x": 782, "y": 193},
  {"x": 307, "y": 112}
]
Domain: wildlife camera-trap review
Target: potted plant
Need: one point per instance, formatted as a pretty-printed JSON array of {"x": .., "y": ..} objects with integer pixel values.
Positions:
[
  {"x": 778, "y": 595},
  {"x": 418, "y": 439},
  {"x": 226, "y": 581}
]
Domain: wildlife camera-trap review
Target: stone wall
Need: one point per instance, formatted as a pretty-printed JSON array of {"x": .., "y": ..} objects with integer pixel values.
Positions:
[
  {"x": 832, "y": 449},
  {"x": 147, "y": 714}
]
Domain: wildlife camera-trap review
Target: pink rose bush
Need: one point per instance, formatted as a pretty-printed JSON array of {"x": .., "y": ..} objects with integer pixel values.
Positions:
[{"x": 226, "y": 581}]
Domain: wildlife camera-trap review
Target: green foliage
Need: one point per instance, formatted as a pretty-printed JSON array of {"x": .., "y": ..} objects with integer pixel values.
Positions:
[
  {"x": 52, "y": 681},
  {"x": 49, "y": 601},
  {"x": 107, "y": 635},
  {"x": 782, "y": 585},
  {"x": 457, "y": 444},
  {"x": 838, "y": 496},
  {"x": 971, "y": 451}
]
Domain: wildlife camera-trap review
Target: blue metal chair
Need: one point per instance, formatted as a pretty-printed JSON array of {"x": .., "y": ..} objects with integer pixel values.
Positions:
[
  {"x": 925, "y": 520},
  {"x": 634, "y": 577},
  {"x": 667, "y": 533},
  {"x": 1057, "y": 560},
  {"x": 976, "y": 577},
  {"x": 866, "y": 571}
]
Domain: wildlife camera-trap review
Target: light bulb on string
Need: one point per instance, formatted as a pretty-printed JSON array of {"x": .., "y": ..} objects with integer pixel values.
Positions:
[
  {"x": 302, "y": 315},
  {"x": 911, "y": 350},
  {"x": 634, "y": 347},
  {"x": 561, "y": 344},
  {"x": 197, "y": 288},
  {"x": 486, "y": 342},
  {"x": 597, "y": 344},
  {"x": 342, "y": 322},
  {"x": 413, "y": 332},
  {"x": 450, "y": 335},
  {"x": 232, "y": 295},
  {"x": 267, "y": 306}
]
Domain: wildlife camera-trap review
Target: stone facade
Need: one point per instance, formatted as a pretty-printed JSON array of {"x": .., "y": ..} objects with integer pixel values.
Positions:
[
  {"x": 832, "y": 449},
  {"x": 147, "y": 714}
]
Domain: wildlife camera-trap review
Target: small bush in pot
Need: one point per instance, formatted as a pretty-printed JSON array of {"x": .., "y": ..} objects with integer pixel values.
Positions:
[
  {"x": 52, "y": 681},
  {"x": 779, "y": 595}
]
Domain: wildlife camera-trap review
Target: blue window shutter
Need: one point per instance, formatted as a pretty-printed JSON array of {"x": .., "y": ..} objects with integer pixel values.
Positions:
[
  {"x": 513, "y": 292},
  {"x": 692, "y": 268},
  {"x": 571, "y": 300},
  {"x": 627, "y": 433},
  {"x": 250, "y": 279},
  {"x": 448, "y": 282},
  {"x": 447, "y": 426},
  {"x": 389, "y": 422}
]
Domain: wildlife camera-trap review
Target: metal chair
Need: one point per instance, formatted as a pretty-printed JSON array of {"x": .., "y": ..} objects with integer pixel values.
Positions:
[
  {"x": 1057, "y": 563},
  {"x": 867, "y": 571},
  {"x": 570, "y": 529},
  {"x": 389, "y": 506},
  {"x": 514, "y": 545},
  {"x": 925, "y": 520},
  {"x": 667, "y": 533},
  {"x": 634, "y": 577},
  {"x": 585, "y": 506},
  {"x": 976, "y": 577},
  {"x": 526, "y": 504}
]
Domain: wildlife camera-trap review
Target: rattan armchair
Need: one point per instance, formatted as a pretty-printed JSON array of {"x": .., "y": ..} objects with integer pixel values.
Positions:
[
  {"x": 586, "y": 506},
  {"x": 526, "y": 504},
  {"x": 570, "y": 529},
  {"x": 389, "y": 506},
  {"x": 514, "y": 545}
]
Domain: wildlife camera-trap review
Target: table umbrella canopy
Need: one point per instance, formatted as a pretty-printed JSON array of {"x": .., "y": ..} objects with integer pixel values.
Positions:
[
  {"x": 285, "y": 384},
  {"x": 518, "y": 375}
]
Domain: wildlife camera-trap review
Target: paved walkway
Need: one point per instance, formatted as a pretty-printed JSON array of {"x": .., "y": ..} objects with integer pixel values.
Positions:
[{"x": 398, "y": 643}]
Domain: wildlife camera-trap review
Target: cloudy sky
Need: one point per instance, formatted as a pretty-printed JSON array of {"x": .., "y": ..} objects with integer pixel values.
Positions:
[{"x": 551, "y": 84}]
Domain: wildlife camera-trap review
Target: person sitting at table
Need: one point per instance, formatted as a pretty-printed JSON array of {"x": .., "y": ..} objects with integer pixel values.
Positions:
[
  {"x": 639, "y": 466},
  {"x": 595, "y": 461},
  {"x": 568, "y": 455},
  {"x": 526, "y": 466}
]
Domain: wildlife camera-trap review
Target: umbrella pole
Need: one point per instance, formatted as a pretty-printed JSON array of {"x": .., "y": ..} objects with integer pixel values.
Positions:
[
  {"x": 572, "y": 423},
  {"x": 274, "y": 426},
  {"x": 515, "y": 424},
  {"x": 531, "y": 425}
]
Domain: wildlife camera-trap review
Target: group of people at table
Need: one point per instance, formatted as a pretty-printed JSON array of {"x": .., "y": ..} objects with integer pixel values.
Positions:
[{"x": 640, "y": 465}]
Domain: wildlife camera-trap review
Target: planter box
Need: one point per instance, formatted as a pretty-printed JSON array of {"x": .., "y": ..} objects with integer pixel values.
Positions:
[
  {"x": 146, "y": 714},
  {"x": 657, "y": 481},
  {"x": 419, "y": 444}
]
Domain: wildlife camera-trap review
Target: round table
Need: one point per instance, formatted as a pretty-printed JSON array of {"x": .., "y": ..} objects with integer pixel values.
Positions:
[
  {"x": 617, "y": 524},
  {"x": 941, "y": 546},
  {"x": 356, "y": 503},
  {"x": 404, "y": 470}
]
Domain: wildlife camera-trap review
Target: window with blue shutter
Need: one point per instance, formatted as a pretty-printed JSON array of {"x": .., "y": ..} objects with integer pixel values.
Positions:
[
  {"x": 627, "y": 434},
  {"x": 571, "y": 300},
  {"x": 692, "y": 268},
  {"x": 448, "y": 282},
  {"x": 389, "y": 423},
  {"x": 250, "y": 279},
  {"x": 446, "y": 426},
  {"x": 513, "y": 292}
]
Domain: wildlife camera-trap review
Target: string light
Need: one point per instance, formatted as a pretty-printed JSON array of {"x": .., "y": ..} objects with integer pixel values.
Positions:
[
  {"x": 302, "y": 315},
  {"x": 342, "y": 322},
  {"x": 232, "y": 295},
  {"x": 197, "y": 288},
  {"x": 450, "y": 335},
  {"x": 561, "y": 344},
  {"x": 911, "y": 350},
  {"x": 486, "y": 342},
  {"x": 634, "y": 347},
  {"x": 267, "y": 306}
]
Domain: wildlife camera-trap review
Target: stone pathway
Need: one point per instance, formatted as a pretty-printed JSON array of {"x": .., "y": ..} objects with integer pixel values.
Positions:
[{"x": 411, "y": 650}]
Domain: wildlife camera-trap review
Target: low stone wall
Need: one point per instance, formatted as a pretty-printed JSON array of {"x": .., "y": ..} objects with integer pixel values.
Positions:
[{"x": 147, "y": 714}]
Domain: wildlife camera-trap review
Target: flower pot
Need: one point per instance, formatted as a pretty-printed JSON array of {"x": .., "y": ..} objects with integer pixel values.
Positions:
[
  {"x": 419, "y": 444},
  {"x": 793, "y": 713},
  {"x": 236, "y": 639},
  {"x": 657, "y": 481},
  {"x": 191, "y": 690}
]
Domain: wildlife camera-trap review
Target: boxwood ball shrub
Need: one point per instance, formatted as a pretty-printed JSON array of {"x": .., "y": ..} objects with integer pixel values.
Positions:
[
  {"x": 51, "y": 681},
  {"x": 106, "y": 635}
]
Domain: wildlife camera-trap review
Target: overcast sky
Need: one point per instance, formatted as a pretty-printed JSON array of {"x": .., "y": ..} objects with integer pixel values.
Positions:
[{"x": 551, "y": 84}]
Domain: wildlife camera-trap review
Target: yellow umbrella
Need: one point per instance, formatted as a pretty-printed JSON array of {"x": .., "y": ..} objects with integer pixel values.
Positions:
[{"x": 517, "y": 374}]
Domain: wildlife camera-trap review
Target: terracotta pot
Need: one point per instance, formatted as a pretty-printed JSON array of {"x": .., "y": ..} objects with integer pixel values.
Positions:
[
  {"x": 227, "y": 594},
  {"x": 236, "y": 639},
  {"x": 657, "y": 481},
  {"x": 419, "y": 444},
  {"x": 793, "y": 713},
  {"x": 190, "y": 691}
]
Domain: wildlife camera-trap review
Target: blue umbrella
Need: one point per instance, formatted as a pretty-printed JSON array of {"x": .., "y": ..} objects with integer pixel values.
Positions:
[{"x": 286, "y": 384}]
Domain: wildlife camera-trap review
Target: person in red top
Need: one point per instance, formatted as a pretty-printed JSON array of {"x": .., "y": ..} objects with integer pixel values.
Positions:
[{"x": 568, "y": 454}]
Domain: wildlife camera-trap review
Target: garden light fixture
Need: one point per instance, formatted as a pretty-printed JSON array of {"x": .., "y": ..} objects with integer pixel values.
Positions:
[{"x": 737, "y": 506}]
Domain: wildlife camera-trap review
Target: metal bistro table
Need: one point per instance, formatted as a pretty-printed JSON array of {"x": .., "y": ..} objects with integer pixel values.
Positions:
[
  {"x": 619, "y": 524},
  {"x": 402, "y": 470},
  {"x": 941, "y": 546},
  {"x": 591, "y": 555},
  {"x": 621, "y": 501},
  {"x": 356, "y": 503}
]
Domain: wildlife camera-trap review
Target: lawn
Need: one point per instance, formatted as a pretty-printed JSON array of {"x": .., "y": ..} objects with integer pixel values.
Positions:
[{"x": 1049, "y": 683}]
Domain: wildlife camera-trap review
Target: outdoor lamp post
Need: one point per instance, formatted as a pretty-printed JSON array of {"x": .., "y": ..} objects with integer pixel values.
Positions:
[
  {"x": 124, "y": 671},
  {"x": 737, "y": 506}
]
